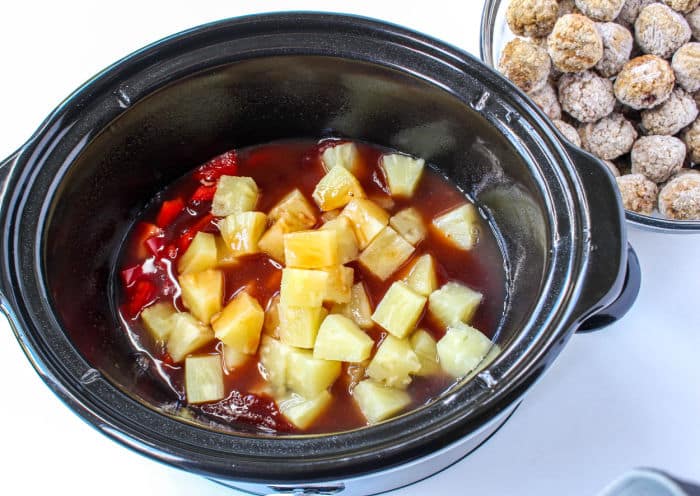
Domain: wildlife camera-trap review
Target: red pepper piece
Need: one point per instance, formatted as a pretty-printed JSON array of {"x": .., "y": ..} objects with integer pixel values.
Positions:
[
  {"x": 186, "y": 237},
  {"x": 155, "y": 244},
  {"x": 169, "y": 211},
  {"x": 141, "y": 294},
  {"x": 203, "y": 193},
  {"x": 142, "y": 232},
  {"x": 225, "y": 164},
  {"x": 131, "y": 274}
]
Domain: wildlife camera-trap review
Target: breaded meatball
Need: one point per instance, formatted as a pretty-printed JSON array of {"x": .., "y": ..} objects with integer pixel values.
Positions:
[
  {"x": 532, "y": 17},
  {"x": 657, "y": 157},
  {"x": 672, "y": 115},
  {"x": 600, "y": 10},
  {"x": 546, "y": 99},
  {"x": 680, "y": 197},
  {"x": 637, "y": 192},
  {"x": 686, "y": 66},
  {"x": 608, "y": 138},
  {"x": 526, "y": 64},
  {"x": 585, "y": 96},
  {"x": 630, "y": 11},
  {"x": 684, "y": 6},
  {"x": 568, "y": 131},
  {"x": 693, "y": 20},
  {"x": 617, "y": 46},
  {"x": 575, "y": 43},
  {"x": 660, "y": 30},
  {"x": 644, "y": 82},
  {"x": 691, "y": 138}
]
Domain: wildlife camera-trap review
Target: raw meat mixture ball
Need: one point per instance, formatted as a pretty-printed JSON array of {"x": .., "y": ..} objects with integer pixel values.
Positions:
[
  {"x": 532, "y": 17},
  {"x": 680, "y": 197},
  {"x": 526, "y": 64},
  {"x": 608, "y": 138},
  {"x": 568, "y": 7},
  {"x": 671, "y": 116},
  {"x": 657, "y": 157},
  {"x": 575, "y": 43},
  {"x": 644, "y": 82},
  {"x": 600, "y": 10},
  {"x": 637, "y": 192},
  {"x": 691, "y": 138},
  {"x": 693, "y": 20},
  {"x": 568, "y": 131},
  {"x": 684, "y": 6},
  {"x": 659, "y": 30},
  {"x": 617, "y": 46},
  {"x": 686, "y": 66},
  {"x": 546, "y": 99},
  {"x": 612, "y": 168},
  {"x": 586, "y": 96},
  {"x": 630, "y": 11}
]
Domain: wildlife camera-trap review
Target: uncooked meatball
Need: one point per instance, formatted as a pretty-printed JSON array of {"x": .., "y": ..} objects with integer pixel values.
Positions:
[
  {"x": 526, "y": 64},
  {"x": 617, "y": 46},
  {"x": 532, "y": 17},
  {"x": 672, "y": 115},
  {"x": 693, "y": 20},
  {"x": 546, "y": 99},
  {"x": 686, "y": 66},
  {"x": 637, "y": 192},
  {"x": 568, "y": 131},
  {"x": 659, "y": 30},
  {"x": 630, "y": 11},
  {"x": 612, "y": 168},
  {"x": 568, "y": 7},
  {"x": 600, "y": 10},
  {"x": 575, "y": 43},
  {"x": 691, "y": 138},
  {"x": 684, "y": 6},
  {"x": 644, "y": 82},
  {"x": 657, "y": 157},
  {"x": 680, "y": 197},
  {"x": 608, "y": 138},
  {"x": 586, "y": 96}
]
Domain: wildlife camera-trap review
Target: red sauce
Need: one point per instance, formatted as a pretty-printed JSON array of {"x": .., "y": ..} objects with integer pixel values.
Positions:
[{"x": 167, "y": 226}]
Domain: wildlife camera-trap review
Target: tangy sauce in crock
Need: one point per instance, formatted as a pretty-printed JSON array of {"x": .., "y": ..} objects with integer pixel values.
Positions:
[{"x": 150, "y": 256}]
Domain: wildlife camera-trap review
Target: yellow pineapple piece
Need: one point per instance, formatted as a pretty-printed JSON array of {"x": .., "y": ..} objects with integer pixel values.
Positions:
[
  {"x": 311, "y": 249},
  {"x": 234, "y": 194},
  {"x": 295, "y": 210},
  {"x": 394, "y": 362},
  {"x": 224, "y": 256},
  {"x": 156, "y": 320},
  {"x": 399, "y": 310},
  {"x": 462, "y": 349},
  {"x": 303, "y": 287},
  {"x": 234, "y": 358},
  {"x": 425, "y": 348},
  {"x": 309, "y": 376},
  {"x": 339, "y": 286},
  {"x": 422, "y": 277},
  {"x": 460, "y": 226},
  {"x": 383, "y": 200},
  {"x": 299, "y": 325},
  {"x": 386, "y": 253},
  {"x": 402, "y": 173},
  {"x": 204, "y": 379},
  {"x": 200, "y": 255},
  {"x": 273, "y": 359},
  {"x": 202, "y": 293},
  {"x": 409, "y": 224},
  {"x": 300, "y": 411},
  {"x": 453, "y": 302},
  {"x": 336, "y": 189},
  {"x": 359, "y": 309},
  {"x": 378, "y": 402},
  {"x": 187, "y": 335},
  {"x": 367, "y": 220},
  {"x": 347, "y": 242},
  {"x": 330, "y": 215},
  {"x": 242, "y": 231},
  {"x": 271, "y": 324},
  {"x": 345, "y": 155},
  {"x": 272, "y": 242},
  {"x": 339, "y": 338},
  {"x": 239, "y": 324}
]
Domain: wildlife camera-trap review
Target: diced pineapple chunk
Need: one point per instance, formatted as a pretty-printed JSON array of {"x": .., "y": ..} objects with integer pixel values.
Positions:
[
  {"x": 271, "y": 325},
  {"x": 303, "y": 287},
  {"x": 402, "y": 173},
  {"x": 399, "y": 310},
  {"x": 301, "y": 411},
  {"x": 394, "y": 362},
  {"x": 204, "y": 379},
  {"x": 330, "y": 215},
  {"x": 200, "y": 255},
  {"x": 311, "y": 249},
  {"x": 156, "y": 320},
  {"x": 461, "y": 349},
  {"x": 422, "y": 278},
  {"x": 347, "y": 242},
  {"x": 188, "y": 335},
  {"x": 295, "y": 210},
  {"x": 453, "y": 302},
  {"x": 367, "y": 220},
  {"x": 378, "y": 402},
  {"x": 425, "y": 348},
  {"x": 234, "y": 194},
  {"x": 224, "y": 256},
  {"x": 241, "y": 231},
  {"x": 299, "y": 325},
  {"x": 309, "y": 376},
  {"x": 336, "y": 189},
  {"x": 202, "y": 293},
  {"x": 273, "y": 359},
  {"x": 345, "y": 155},
  {"x": 239, "y": 324},
  {"x": 234, "y": 358},
  {"x": 358, "y": 308},
  {"x": 460, "y": 226},
  {"x": 340, "y": 339},
  {"x": 272, "y": 242},
  {"x": 409, "y": 224},
  {"x": 386, "y": 253},
  {"x": 339, "y": 286}
]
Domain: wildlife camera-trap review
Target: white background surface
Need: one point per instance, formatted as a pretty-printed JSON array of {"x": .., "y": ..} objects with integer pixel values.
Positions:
[{"x": 625, "y": 397}]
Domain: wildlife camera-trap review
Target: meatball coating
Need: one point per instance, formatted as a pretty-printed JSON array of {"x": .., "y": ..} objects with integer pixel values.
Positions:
[
  {"x": 630, "y": 11},
  {"x": 686, "y": 66},
  {"x": 680, "y": 198},
  {"x": 637, "y": 192},
  {"x": 608, "y": 138},
  {"x": 691, "y": 138},
  {"x": 526, "y": 64},
  {"x": 546, "y": 99},
  {"x": 568, "y": 131},
  {"x": 600, "y": 10},
  {"x": 617, "y": 46},
  {"x": 657, "y": 157},
  {"x": 659, "y": 30},
  {"x": 644, "y": 82},
  {"x": 684, "y": 6},
  {"x": 693, "y": 20},
  {"x": 532, "y": 17},
  {"x": 586, "y": 96},
  {"x": 671, "y": 116},
  {"x": 575, "y": 43}
]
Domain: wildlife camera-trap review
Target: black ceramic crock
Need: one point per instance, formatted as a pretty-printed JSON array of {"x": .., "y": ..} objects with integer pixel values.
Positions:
[{"x": 70, "y": 194}]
